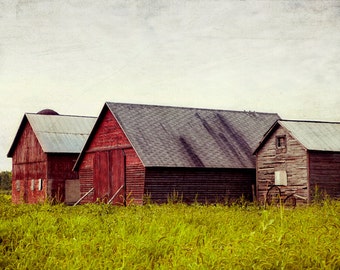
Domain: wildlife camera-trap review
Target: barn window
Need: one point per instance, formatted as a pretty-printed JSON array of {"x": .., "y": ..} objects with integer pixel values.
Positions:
[
  {"x": 281, "y": 142},
  {"x": 39, "y": 184},
  {"x": 17, "y": 185},
  {"x": 32, "y": 184},
  {"x": 281, "y": 178}
]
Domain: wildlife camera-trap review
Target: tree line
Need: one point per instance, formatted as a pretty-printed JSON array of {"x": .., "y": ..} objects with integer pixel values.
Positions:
[{"x": 5, "y": 180}]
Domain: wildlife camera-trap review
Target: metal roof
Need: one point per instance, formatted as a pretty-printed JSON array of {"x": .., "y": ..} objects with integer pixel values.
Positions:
[
  {"x": 189, "y": 137},
  {"x": 57, "y": 133},
  {"x": 318, "y": 136}
]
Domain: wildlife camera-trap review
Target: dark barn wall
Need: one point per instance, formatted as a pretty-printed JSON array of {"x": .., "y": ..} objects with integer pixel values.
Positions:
[
  {"x": 325, "y": 173},
  {"x": 29, "y": 162},
  {"x": 199, "y": 184},
  {"x": 59, "y": 170},
  {"x": 134, "y": 177},
  {"x": 110, "y": 138},
  {"x": 293, "y": 160}
]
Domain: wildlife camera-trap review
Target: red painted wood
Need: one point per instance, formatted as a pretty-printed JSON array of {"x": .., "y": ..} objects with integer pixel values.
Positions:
[
  {"x": 123, "y": 164},
  {"x": 101, "y": 176},
  {"x": 30, "y": 163},
  {"x": 118, "y": 176}
]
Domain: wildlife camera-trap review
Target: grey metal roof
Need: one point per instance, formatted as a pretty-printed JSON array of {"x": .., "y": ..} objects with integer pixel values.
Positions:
[
  {"x": 189, "y": 137},
  {"x": 319, "y": 136},
  {"x": 58, "y": 133}
]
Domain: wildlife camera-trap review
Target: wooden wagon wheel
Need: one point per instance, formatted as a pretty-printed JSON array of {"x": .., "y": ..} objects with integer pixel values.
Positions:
[
  {"x": 273, "y": 195},
  {"x": 290, "y": 201}
]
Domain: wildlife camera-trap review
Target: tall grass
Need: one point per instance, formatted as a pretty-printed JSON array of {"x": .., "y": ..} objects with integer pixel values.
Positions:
[{"x": 172, "y": 236}]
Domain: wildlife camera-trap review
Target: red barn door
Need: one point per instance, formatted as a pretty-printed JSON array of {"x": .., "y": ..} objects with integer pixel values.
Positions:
[{"x": 109, "y": 176}]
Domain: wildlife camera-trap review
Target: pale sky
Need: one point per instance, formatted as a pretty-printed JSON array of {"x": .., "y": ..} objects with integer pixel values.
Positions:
[{"x": 71, "y": 56}]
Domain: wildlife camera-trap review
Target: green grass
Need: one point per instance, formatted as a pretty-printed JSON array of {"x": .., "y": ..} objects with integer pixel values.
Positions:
[{"x": 172, "y": 236}]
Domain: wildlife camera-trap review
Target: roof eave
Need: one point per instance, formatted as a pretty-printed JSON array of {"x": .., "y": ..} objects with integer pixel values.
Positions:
[
  {"x": 267, "y": 135},
  {"x": 82, "y": 152},
  {"x": 17, "y": 136}
]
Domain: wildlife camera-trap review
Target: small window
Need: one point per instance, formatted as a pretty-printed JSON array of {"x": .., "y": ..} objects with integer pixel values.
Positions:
[
  {"x": 32, "y": 184},
  {"x": 17, "y": 185},
  {"x": 281, "y": 142},
  {"x": 281, "y": 178},
  {"x": 39, "y": 184}
]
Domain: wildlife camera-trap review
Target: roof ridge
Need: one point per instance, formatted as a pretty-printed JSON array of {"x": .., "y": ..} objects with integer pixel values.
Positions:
[
  {"x": 309, "y": 121},
  {"x": 191, "y": 108},
  {"x": 61, "y": 115}
]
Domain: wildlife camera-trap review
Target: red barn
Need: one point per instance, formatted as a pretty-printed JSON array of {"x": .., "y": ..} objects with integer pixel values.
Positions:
[
  {"x": 136, "y": 150},
  {"x": 298, "y": 156},
  {"x": 43, "y": 154}
]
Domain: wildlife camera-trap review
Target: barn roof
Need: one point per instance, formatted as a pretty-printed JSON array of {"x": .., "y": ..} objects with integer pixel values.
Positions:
[
  {"x": 166, "y": 136},
  {"x": 320, "y": 136},
  {"x": 313, "y": 135},
  {"x": 57, "y": 133}
]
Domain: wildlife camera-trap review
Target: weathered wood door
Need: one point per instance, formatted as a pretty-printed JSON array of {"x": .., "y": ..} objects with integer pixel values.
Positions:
[{"x": 109, "y": 176}]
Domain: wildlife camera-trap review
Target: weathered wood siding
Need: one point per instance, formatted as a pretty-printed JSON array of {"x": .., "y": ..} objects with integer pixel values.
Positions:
[
  {"x": 29, "y": 162},
  {"x": 38, "y": 176},
  {"x": 325, "y": 173},
  {"x": 293, "y": 160},
  {"x": 109, "y": 138},
  {"x": 201, "y": 185}
]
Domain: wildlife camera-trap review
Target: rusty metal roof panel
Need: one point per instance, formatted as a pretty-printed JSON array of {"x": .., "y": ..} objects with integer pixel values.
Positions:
[
  {"x": 189, "y": 137},
  {"x": 318, "y": 136},
  {"x": 61, "y": 133}
]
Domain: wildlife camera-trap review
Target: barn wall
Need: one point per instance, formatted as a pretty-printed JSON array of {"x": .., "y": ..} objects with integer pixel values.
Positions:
[
  {"x": 29, "y": 162},
  {"x": 134, "y": 177},
  {"x": 325, "y": 173},
  {"x": 86, "y": 177},
  {"x": 293, "y": 159},
  {"x": 59, "y": 169},
  {"x": 107, "y": 138},
  {"x": 201, "y": 185}
]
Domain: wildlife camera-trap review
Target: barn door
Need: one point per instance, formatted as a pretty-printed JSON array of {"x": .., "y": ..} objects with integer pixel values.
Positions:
[
  {"x": 109, "y": 176},
  {"x": 101, "y": 176},
  {"x": 118, "y": 176}
]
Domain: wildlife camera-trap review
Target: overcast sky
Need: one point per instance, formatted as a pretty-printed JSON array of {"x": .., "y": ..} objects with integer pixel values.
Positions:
[{"x": 278, "y": 56}]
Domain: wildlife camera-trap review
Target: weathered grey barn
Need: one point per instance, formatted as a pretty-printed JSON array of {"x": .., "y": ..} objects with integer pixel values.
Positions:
[
  {"x": 299, "y": 156},
  {"x": 43, "y": 154},
  {"x": 200, "y": 154}
]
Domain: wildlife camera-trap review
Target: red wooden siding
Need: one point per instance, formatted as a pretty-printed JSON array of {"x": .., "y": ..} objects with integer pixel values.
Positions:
[
  {"x": 201, "y": 185},
  {"x": 101, "y": 175},
  {"x": 31, "y": 166},
  {"x": 108, "y": 163},
  {"x": 109, "y": 176},
  {"x": 325, "y": 173},
  {"x": 117, "y": 167},
  {"x": 28, "y": 162},
  {"x": 293, "y": 160},
  {"x": 109, "y": 135},
  {"x": 59, "y": 170}
]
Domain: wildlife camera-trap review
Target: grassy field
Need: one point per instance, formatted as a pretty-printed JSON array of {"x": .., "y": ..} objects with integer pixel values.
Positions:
[{"x": 172, "y": 236}]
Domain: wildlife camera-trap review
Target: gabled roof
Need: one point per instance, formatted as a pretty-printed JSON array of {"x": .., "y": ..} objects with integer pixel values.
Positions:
[
  {"x": 57, "y": 133},
  {"x": 313, "y": 135},
  {"x": 166, "y": 136}
]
